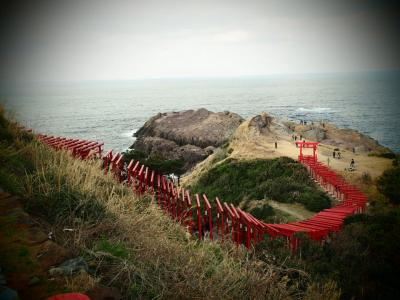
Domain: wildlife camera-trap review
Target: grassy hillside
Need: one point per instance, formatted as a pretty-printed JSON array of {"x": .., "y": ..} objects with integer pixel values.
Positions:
[
  {"x": 127, "y": 241},
  {"x": 281, "y": 179}
]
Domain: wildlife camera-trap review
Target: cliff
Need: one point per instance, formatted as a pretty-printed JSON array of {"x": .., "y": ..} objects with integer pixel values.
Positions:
[{"x": 190, "y": 135}]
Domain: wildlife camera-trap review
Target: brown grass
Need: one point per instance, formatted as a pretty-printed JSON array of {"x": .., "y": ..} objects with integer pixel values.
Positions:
[{"x": 161, "y": 261}]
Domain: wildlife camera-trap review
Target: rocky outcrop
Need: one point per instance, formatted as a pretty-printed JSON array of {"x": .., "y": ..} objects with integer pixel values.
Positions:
[
  {"x": 190, "y": 135},
  {"x": 341, "y": 137},
  {"x": 155, "y": 146},
  {"x": 200, "y": 127},
  {"x": 314, "y": 133},
  {"x": 350, "y": 138},
  {"x": 261, "y": 123}
]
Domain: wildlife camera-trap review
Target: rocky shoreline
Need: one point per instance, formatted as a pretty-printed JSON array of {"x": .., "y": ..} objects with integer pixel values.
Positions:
[{"x": 193, "y": 135}]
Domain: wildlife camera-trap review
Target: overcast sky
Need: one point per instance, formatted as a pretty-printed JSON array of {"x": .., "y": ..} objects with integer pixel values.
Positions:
[{"x": 92, "y": 40}]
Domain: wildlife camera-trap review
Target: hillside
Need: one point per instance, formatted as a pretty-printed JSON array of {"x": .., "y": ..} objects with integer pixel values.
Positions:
[
  {"x": 133, "y": 249},
  {"x": 245, "y": 182},
  {"x": 126, "y": 241}
]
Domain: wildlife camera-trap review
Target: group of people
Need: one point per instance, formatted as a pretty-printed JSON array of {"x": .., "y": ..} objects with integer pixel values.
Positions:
[
  {"x": 303, "y": 122},
  {"x": 337, "y": 155},
  {"x": 294, "y": 137}
]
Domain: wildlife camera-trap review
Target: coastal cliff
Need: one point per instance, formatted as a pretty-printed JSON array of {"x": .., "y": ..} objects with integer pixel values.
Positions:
[{"x": 190, "y": 135}]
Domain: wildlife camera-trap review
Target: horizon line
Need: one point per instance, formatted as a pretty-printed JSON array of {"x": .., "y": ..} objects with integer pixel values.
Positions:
[{"x": 216, "y": 77}]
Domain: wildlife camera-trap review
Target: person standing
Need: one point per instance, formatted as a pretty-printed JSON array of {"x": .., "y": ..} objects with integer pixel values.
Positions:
[
  {"x": 276, "y": 145},
  {"x": 352, "y": 163},
  {"x": 334, "y": 154}
]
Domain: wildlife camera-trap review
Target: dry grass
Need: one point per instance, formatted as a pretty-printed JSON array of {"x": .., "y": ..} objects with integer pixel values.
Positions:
[
  {"x": 296, "y": 210},
  {"x": 204, "y": 166},
  {"x": 128, "y": 242},
  {"x": 81, "y": 282},
  {"x": 145, "y": 254},
  {"x": 328, "y": 291}
]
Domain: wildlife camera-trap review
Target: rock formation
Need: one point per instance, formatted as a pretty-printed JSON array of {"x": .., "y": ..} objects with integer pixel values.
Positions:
[
  {"x": 190, "y": 135},
  {"x": 341, "y": 137},
  {"x": 261, "y": 123}
]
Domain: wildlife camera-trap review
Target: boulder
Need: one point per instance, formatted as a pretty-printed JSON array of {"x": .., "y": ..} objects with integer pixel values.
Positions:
[
  {"x": 315, "y": 134},
  {"x": 70, "y": 267},
  {"x": 191, "y": 154},
  {"x": 261, "y": 122},
  {"x": 190, "y": 135},
  {"x": 155, "y": 146},
  {"x": 200, "y": 127}
]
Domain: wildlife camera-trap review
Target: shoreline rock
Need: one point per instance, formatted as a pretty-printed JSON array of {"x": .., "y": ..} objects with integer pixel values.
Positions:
[
  {"x": 190, "y": 135},
  {"x": 344, "y": 138}
]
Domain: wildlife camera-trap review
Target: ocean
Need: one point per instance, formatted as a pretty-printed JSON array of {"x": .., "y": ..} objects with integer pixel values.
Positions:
[{"x": 111, "y": 111}]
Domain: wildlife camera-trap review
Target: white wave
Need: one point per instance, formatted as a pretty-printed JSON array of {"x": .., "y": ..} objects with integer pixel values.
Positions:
[
  {"x": 128, "y": 133},
  {"x": 314, "y": 109}
]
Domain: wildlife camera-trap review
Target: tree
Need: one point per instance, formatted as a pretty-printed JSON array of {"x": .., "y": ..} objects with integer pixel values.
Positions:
[{"x": 389, "y": 184}]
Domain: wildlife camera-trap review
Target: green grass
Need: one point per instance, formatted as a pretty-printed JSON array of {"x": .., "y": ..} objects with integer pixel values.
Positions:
[
  {"x": 116, "y": 249},
  {"x": 281, "y": 179}
]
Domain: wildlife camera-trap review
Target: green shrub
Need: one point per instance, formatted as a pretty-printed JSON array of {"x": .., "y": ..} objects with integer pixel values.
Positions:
[
  {"x": 366, "y": 178},
  {"x": 389, "y": 184},
  {"x": 389, "y": 155},
  {"x": 363, "y": 258},
  {"x": 156, "y": 162},
  {"x": 10, "y": 182},
  {"x": 263, "y": 212},
  {"x": 280, "y": 179}
]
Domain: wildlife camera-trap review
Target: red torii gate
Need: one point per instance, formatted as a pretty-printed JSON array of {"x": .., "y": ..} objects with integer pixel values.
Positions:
[{"x": 309, "y": 145}]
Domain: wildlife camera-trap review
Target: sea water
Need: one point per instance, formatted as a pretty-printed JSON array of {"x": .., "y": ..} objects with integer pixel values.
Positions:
[{"x": 111, "y": 111}]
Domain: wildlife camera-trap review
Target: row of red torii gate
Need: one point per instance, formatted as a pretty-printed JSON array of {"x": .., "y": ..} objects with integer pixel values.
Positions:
[{"x": 216, "y": 219}]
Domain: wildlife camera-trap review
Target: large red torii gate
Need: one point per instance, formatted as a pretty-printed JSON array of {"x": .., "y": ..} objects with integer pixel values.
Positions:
[{"x": 309, "y": 145}]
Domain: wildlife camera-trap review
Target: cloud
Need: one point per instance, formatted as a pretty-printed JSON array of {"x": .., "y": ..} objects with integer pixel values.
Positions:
[{"x": 233, "y": 36}]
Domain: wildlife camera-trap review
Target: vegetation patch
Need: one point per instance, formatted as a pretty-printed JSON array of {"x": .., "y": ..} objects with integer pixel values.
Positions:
[
  {"x": 281, "y": 179},
  {"x": 155, "y": 162},
  {"x": 116, "y": 249},
  {"x": 389, "y": 184}
]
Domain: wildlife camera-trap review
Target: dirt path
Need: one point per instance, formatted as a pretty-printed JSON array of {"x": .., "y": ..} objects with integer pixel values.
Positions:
[
  {"x": 293, "y": 209},
  {"x": 26, "y": 252}
]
